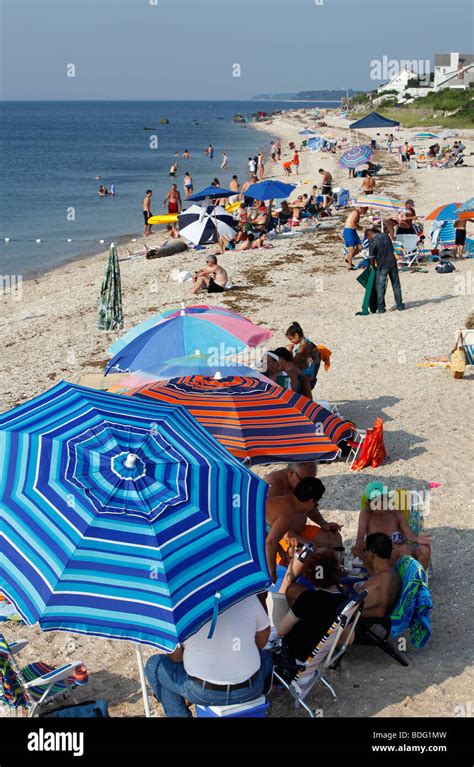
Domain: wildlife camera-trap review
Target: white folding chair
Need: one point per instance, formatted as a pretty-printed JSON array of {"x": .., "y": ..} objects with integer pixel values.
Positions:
[
  {"x": 355, "y": 445},
  {"x": 407, "y": 251},
  {"x": 324, "y": 655}
]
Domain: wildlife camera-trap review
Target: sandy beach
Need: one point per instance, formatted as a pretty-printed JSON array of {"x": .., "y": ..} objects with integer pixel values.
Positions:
[{"x": 48, "y": 333}]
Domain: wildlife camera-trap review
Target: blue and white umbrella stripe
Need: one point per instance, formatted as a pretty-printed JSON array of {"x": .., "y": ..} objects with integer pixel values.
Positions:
[
  {"x": 202, "y": 225},
  {"x": 124, "y": 519}
]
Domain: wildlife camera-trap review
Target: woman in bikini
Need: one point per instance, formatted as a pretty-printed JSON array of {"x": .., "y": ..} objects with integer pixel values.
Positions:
[{"x": 377, "y": 516}]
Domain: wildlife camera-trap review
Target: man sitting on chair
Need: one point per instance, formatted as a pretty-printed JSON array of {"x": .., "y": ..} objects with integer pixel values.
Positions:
[{"x": 211, "y": 672}]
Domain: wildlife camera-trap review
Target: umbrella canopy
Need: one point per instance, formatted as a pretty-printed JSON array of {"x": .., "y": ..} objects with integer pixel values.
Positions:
[
  {"x": 254, "y": 419},
  {"x": 447, "y": 134},
  {"x": 269, "y": 190},
  {"x": 373, "y": 120},
  {"x": 110, "y": 316},
  {"x": 356, "y": 156},
  {"x": 446, "y": 212},
  {"x": 203, "y": 225},
  {"x": 466, "y": 210},
  {"x": 377, "y": 201},
  {"x": 123, "y": 519},
  {"x": 307, "y": 132},
  {"x": 192, "y": 365},
  {"x": 424, "y": 136},
  {"x": 210, "y": 192},
  {"x": 256, "y": 335},
  {"x": 194, "y": 328}
]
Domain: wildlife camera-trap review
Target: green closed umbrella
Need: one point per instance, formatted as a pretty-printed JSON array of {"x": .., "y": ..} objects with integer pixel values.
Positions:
[{"x": 110, "y": 316}]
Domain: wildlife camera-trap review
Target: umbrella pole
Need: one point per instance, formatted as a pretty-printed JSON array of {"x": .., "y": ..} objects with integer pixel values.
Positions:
[{"x": 141, "y": 672}]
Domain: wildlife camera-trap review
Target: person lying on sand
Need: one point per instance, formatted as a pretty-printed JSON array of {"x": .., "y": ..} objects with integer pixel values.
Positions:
[
  {"x": 212, "y": 277},
  {"x": 377, "y": 516}
]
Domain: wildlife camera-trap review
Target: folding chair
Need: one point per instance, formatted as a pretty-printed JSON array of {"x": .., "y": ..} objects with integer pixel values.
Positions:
[
  {"x": 355, "y": 445},
  {"x": 406, "y": 250},
  {"x": 36, "y": 684},
  {"x": 300, "y": 684}
]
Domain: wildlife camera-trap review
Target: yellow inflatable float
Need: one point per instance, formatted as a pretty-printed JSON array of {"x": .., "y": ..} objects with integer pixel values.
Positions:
[{"x": 172, "y": 218}]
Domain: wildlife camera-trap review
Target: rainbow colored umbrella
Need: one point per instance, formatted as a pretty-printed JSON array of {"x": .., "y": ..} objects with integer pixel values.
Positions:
[
  {"x": 256, "y": 420},
  {"x": 357, "y": 155},
  {"x": 205, "y": 312},
  {"x": 195, "y": 329},
  {"x": 377, "y": 201},
  {"x": 446, "y": 212}
]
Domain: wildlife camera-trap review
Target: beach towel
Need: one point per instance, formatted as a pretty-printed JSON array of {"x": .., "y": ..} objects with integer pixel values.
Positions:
[
  {"x": 325, "y": 355},
  {"x": 367, "y": 280},
  {"x": 412, "y": 611},
  {"x": 372, "y": 452}
]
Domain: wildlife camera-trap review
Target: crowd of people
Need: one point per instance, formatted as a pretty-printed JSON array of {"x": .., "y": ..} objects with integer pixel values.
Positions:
[{"x": 310, "y": 551}]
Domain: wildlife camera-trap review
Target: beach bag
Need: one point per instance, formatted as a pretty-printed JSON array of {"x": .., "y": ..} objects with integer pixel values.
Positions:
[
  {"x": 97, "y": 709},
  {"x": 445, "y": 267},
  {"x": 458, "y": 359}
]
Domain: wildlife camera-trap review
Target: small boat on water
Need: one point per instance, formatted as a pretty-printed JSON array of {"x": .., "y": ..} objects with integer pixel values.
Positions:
[{"x": 149, "y": 128}]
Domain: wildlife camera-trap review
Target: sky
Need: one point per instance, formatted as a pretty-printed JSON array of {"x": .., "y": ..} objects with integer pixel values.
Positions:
[{"x": 189, "y": 49}]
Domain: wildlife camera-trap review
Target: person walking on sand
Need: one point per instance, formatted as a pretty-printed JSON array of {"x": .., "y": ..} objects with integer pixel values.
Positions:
[
  {"x": 326, "y": 186},
  {"x": 278, "y": 149},
  {"x": 460, "y": 237},
  {"x": 260, "y": 166},
  {"x": 173, "y": 198},
  {"x": 351, "y": 238},
  {"x": 252, "y": 166},
  {"x": 147, "y": 212},
  {"x": 225, "y": 157},
  {"x": 382, "y": 255},
  {"x": 188, "y": 185}
]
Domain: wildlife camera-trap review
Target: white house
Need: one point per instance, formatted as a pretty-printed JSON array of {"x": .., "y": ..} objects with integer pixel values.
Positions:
[
  {"x": 399, "y": 82},
  {"x": 453, "y": 70}
]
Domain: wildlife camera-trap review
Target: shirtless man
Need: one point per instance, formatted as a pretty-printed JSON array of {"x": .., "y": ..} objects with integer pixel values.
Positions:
[
  {"x": 383, "y": 585},
  {"x": 234, "y": 186},
  {"x": 351, "y": 238},
  {"x": 212, "y": 277},
  {"x": 460, "y": 235},
  {"x": 289, "y": 512},
  {"x": 368, "y": 185},
  {"x": 173, "y": 198},
  {"x": 326, "y": 186},
  {"x": 247, "y": 200},
  {"x": 283, "y": 482},
  {"x": 147, "y": 212}
]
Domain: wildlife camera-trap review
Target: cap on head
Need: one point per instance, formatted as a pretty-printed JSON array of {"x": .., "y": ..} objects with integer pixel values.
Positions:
[{"x": 374, "y": 490}]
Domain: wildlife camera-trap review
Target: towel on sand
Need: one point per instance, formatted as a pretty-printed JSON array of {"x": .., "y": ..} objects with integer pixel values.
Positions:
[{"x": 412, "y": 610}]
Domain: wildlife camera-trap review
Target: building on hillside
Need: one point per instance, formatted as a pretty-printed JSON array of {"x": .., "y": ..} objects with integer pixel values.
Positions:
[
  {"x": 399, "y": 82},
  {"x": 453, "y": 70}
]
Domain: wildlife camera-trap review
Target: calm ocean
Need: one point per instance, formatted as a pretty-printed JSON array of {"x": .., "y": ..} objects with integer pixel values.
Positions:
[{"x": 52, "y": 151}]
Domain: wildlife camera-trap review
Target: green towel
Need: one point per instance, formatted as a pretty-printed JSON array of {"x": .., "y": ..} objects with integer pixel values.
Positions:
[{"x": 367, "y": 280}]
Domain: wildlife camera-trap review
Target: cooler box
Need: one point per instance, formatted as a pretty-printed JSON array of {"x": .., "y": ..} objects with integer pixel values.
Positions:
[{"x": 255, "y": 709}]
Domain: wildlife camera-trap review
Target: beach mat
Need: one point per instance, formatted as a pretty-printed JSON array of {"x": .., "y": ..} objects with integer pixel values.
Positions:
[{"x": 367, "y": 280}]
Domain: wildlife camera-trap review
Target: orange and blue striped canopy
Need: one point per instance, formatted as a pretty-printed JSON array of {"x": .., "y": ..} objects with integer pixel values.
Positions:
[{"x": 254, "y": 419}]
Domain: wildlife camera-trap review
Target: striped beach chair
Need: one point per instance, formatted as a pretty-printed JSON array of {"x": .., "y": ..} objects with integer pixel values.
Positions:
[{"x": 36, "y": 684}]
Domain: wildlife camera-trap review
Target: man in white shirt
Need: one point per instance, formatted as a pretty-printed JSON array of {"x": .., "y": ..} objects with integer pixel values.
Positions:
[{"x": 227, "y": 669}]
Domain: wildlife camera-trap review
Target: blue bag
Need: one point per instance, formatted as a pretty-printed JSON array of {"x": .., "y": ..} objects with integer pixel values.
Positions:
[{"x": 87, "y": 709}]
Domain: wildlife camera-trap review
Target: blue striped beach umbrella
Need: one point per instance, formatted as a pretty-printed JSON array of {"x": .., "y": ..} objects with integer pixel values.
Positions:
[
  {"x": 124, "y": 519},
  {"x": 357, "y": 155}
]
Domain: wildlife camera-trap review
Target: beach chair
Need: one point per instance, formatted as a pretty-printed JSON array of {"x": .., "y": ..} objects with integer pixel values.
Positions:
[
  {"x": 300, "y": 679},
  {"x": 467, "y": 342},
  {"x": 35, "y": 685},
  {"x": 342, "y": 199},
  {"x": 355, "y": 445},
  {"x": 406, "y": 251}
]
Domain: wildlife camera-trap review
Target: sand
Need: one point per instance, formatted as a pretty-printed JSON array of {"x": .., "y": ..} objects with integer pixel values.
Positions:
[{"x": 49, "y": 334}]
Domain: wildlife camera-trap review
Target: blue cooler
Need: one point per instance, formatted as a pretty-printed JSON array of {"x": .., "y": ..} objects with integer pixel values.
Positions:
[{"x": 255, "y": 709}]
